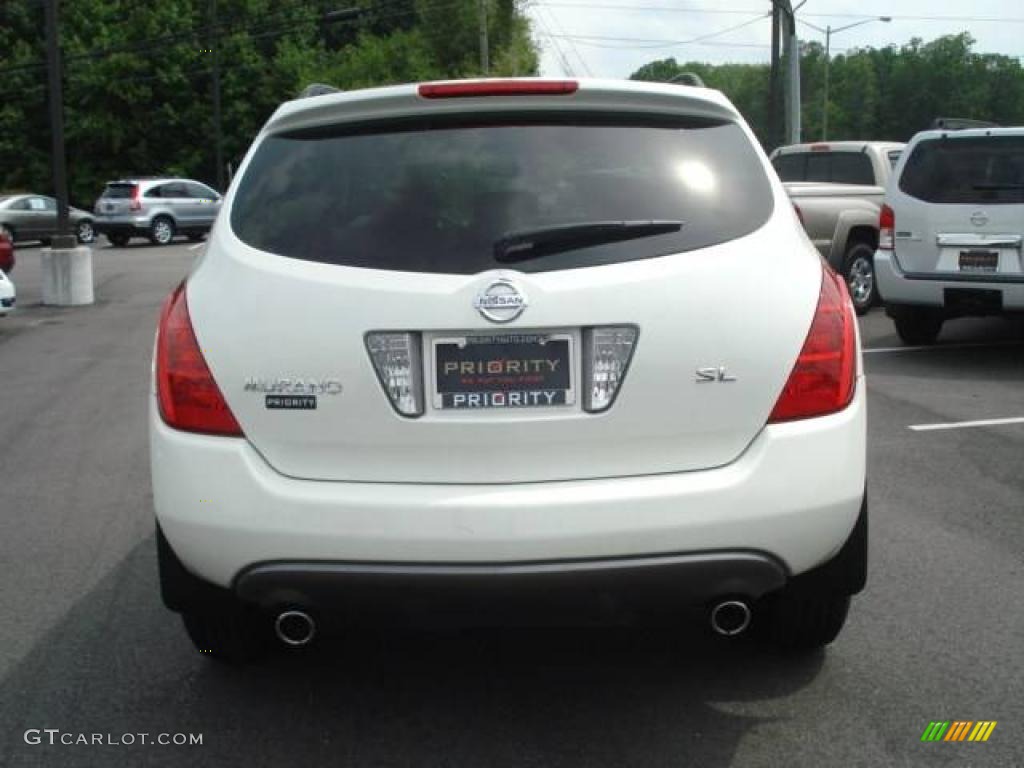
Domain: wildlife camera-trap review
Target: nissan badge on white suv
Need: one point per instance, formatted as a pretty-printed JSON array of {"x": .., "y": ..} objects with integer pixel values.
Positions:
[
  {"x": 520, "y": 343},
  {"x": 951, "y": 229}
]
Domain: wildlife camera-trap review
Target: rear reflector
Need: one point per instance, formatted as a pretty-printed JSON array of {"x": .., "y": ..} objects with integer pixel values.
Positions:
[
  {"x": 886, "y": 227},
  {"x": 606, "y": 355},
  {"x": 189, "y": 397},
  {"x": 397, "y": 361},
  {"x": 477, "y": 88},
  {"x": 822, "y": 380}
]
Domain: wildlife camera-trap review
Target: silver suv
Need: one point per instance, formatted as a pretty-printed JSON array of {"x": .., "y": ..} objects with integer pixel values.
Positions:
[
  {"x": 155, "y": 208},
  {"x": 951, "y": 230}
]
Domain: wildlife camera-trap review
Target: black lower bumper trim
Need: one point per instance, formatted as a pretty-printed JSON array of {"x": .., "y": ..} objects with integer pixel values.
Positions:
[{"x": 676, "y": 578}]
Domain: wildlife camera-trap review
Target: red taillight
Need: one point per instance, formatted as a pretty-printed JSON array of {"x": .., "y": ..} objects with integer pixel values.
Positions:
[
  {"x": 476, "y": 88},
  {"x": 136, "y": 203},
  {"x": 886, "y": 227},
  {"x": 822, "y": 380},
  {"x": 189, "y": 398}
]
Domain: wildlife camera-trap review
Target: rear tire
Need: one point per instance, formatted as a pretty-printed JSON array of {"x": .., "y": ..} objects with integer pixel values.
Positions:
[
  {"x": 161, "y": 231},
  {"x": 859, "y": 273},
  {"x": 917, "y": 326},
  {"x": 85, "y": 232},
  {"x": 118, "y": 241},
  {"x": 232, "y": 635},
  {"x": 799, "y": 623}
]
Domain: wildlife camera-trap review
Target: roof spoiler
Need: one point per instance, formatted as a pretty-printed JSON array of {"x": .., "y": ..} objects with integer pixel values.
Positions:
[
  {"x": 959, "y": 124},
  {"x": 318, "y": 89},
  {"x": 688, "y": 78}
]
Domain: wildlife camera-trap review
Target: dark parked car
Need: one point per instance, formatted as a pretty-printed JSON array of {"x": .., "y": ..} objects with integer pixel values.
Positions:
[{"x": 34, "y": 217}]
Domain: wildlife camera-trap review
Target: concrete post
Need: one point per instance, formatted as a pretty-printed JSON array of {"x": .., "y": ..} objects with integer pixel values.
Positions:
[{"x": 67, "y": 274}]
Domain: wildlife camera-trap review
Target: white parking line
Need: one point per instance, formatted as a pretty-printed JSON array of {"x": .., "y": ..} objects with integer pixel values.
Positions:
[
  {"x": 196, "y": 247},
  {"x": 938, "y": 347},
  {"x": 966, "y": 424}
]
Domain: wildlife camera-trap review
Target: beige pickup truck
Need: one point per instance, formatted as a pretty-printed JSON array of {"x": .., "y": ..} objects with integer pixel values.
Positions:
[{"x": 837, "y": 188}]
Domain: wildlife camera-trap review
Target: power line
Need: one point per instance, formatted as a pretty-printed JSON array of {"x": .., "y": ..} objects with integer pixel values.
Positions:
[
  {"x": 563, "y": 62},
  {"x": 652, "y": 43},
  {"x": 560, "y": 28},
  {"x": 645, "y": 8},
  {"x": 732, "y": 11},
  {"x": 993, "y": 19},
  {"x": 665, "y": 44}
]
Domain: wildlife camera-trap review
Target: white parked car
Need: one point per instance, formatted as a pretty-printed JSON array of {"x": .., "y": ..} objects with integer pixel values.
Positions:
[
  {"x": 8, "y": 295},
  {"x": 561, "y": 339},
  {"x": 951, "y": 230}
]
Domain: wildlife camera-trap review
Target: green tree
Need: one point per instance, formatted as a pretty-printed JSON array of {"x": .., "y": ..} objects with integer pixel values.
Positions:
[
  {"x": 138, "y": 76},
  {"x": 888, "y": 93}
]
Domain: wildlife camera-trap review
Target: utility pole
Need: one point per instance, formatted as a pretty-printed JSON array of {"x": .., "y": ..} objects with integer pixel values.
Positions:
[
  {"x": 485, "y": 58},
  {"x": 772, "y": 137},
  {"x": 218, "y": 129},
  {"x": 54, "y": 77},
  {"x": 791, "y": 54},
  {"x": 824, "y": 109},
  {"x": 829, "y": 31},
  {"x": 66, "y": 270}
]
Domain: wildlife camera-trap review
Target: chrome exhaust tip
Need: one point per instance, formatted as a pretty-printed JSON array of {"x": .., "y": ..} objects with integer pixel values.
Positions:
[
  {"x": 295, "y": 628},
  {"x": 730, "y": 617}
]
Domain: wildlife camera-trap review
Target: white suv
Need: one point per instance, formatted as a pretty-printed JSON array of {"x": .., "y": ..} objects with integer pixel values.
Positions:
[
  {"x": 549, "y": 342},
  {"x": 951, "y": 228}
]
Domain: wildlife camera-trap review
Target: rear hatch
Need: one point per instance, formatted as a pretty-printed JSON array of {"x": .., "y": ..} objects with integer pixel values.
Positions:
[
  {"x": 961, "y": 206},
  {"x": 116, "y": 198},
  {"x": 511, "y": 293}
]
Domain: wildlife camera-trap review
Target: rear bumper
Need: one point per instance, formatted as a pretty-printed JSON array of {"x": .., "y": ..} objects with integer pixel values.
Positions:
[
  {"x": 121, "y": 225},
  {"x": 793, "y": 496},
  {"x": 643, "y": 586},
  {"x": 930, "y": 290}
]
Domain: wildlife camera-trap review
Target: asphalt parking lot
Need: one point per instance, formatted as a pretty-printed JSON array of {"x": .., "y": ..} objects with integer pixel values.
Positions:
[{"x": 86, "y": 647}]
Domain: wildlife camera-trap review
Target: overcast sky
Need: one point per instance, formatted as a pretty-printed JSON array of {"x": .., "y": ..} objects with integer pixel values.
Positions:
[{"x": 613, "y": 38}]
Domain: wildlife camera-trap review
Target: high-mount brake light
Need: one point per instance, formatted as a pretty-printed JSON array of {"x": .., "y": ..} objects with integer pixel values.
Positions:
[
  {"x": 188, "y": 395},
  {"x": 478, "y": 88},
  {"x": 823, "y": 378},
  {"x": 886, "y": 228}
]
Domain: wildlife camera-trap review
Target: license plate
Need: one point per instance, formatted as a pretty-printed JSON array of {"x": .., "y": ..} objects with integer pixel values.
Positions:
[
  {"x": 532, "y": 370},
  {"x": 979, "y": 261}
]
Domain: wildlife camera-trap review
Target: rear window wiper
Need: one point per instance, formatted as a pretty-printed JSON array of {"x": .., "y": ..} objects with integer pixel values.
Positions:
[{"x": 532, "y": 243}]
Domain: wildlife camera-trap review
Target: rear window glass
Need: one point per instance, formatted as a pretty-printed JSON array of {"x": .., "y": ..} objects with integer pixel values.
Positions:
[
  {"x": 852, "y": 168},
  {"x": 791, "y": 167},
  {"x": 835, "y": 167},
  {"x": 117, "y": 191},
  {"x": 435, "y": 196},
  {"x": 983, "y": 169}
]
